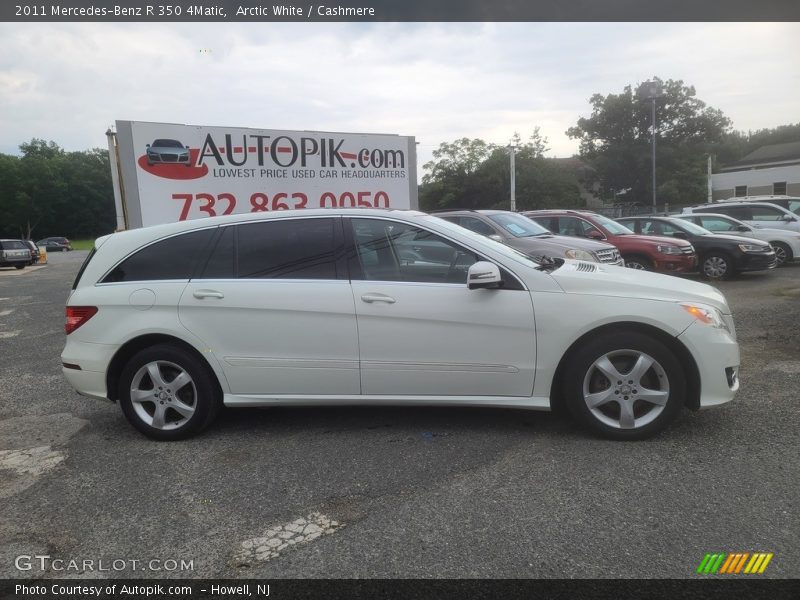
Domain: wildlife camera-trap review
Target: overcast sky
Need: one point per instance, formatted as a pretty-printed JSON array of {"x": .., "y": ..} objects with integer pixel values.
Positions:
[{"x": 438, "y": 82}]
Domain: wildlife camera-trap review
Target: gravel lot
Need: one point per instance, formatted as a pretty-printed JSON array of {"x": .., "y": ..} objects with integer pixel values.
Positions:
[{"x": 391, "y": 492}]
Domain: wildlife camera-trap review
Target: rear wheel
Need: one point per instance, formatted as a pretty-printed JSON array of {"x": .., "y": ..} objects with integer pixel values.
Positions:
[
  {"x": 167, "y": 393},
  {"x": 624, "y": 386},
  {"x": 782, "y": 252},
  {"x": 717, "y": 265},
  {"x": 638, "y": 262}
]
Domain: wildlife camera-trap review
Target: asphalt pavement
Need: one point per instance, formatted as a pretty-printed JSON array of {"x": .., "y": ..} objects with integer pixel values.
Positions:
[{"x": 391, "y": 492}]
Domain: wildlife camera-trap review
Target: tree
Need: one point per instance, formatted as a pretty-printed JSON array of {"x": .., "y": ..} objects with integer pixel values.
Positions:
[
  {"x": 48, "y": 191},
  {"x": 473, "y": 174},
  {"x": 616, "y": 141}
]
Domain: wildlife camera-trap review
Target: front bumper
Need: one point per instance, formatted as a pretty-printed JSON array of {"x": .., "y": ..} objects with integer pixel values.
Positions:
[
  {"x": 675, "y": 263},
  {"x": 716, "y": 354},
  {"x": 758, "y": 262}
]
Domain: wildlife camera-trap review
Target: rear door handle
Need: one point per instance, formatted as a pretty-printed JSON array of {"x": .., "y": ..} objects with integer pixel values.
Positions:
[
  {"x": 370, "y": 298},
  {"x": 200, "y": 294}
]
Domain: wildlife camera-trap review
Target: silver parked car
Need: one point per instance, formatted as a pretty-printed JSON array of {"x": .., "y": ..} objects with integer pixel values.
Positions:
[{"x": 527, "y": 236}]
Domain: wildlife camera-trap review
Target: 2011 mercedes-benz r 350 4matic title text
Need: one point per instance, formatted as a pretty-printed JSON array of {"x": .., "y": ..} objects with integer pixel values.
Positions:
[{"x": 384, "y": 307}]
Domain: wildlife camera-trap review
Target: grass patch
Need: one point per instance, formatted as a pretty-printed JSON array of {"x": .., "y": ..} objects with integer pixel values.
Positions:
[{"x": 82, "y": 244}]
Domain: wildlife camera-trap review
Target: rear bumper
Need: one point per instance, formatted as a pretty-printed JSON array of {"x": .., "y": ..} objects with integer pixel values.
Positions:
[{"x": 93, "y": 360}]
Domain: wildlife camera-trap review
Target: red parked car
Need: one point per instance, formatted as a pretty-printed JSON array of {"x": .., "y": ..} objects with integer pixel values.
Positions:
[{"x": 646, "y": 252}]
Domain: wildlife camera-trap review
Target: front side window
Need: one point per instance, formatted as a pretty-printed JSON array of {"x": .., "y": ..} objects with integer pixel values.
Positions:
[
  {"x": 287, "y": 249},
  {"x": 392, "y": 251},
  {"x": 171, "y": 258},
  {"x": 477, "y": 226},
  {"x": 717, "y": 224},
  {"x": 765, "y": 213}
]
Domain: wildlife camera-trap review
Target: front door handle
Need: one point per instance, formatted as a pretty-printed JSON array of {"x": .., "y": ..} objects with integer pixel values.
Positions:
[
  {"x": 200, "y": 294},
  {"x": 370, "y": 298}
]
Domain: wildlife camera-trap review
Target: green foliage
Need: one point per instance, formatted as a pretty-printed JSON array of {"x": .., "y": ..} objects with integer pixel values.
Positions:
[
  {"x": 473, "y": 174},
  {"x": 735, "y": 145},
  {"x": 616, "y": 141},
  {"x": 48, "y": 191}
]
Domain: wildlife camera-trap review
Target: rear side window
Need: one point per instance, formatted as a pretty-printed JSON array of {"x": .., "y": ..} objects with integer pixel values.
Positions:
[
  {"x": 766, "y": 213},
  {"x": 13, "y": 245},
  {"x": 83, "y": 268},
  {"x": 287, "y": 249},
  {"x": 172, "y": 258}
]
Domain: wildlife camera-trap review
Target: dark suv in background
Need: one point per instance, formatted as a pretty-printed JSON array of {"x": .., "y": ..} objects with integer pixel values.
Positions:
[
  {"x": 530, "y": 238},
  {"x": 720, "y": 256},
  {"x": 14, "y": 253},
  {"x": 645, "y": 252}
]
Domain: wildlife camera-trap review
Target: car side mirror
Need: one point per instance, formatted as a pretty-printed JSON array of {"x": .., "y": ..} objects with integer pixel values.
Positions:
[
  {"x": 743, "y": 228},
  {"x": 788, "y": 218},
  {"x": 484, "y": 275},
  {"x": 147, "y": 145},
  {"x": 496, "y": 238},
  {"x": 593, "y": 234},
  {"x": 681, "y": 235}
]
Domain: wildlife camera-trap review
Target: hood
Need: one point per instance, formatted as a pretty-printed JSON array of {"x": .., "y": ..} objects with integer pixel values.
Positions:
[
  {"x": 577, "y": 277},
  {"x": 732, "y": 238},
  {"x": 555, "y": 244},
  {"x": 656, "y": 240}
]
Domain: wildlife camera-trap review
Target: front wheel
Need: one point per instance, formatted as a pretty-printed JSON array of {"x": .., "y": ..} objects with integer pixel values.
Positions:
[
  {"x": 167, "y": 393},
  {"x": 19, "y": 267},
  {"x": 639, "y": 263},
  {"x": 624, "y": 386},
  {"x": 782, "y": 252},
  {"x": 717, "y": 265}
]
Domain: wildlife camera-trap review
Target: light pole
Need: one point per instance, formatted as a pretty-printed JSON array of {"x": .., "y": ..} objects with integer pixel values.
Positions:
[
  {"x": 513, "y": 168},
  {"x": 650, "y": 90}
]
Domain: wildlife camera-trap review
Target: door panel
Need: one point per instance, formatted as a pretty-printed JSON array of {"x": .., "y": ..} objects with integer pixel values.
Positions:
[{"x": 422, "y": 332}]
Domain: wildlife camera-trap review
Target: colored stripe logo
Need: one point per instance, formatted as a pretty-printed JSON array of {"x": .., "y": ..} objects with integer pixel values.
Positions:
[{"x": 734, "y": 563}]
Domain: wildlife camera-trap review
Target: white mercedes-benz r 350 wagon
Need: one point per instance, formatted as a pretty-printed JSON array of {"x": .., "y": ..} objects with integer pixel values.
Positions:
[{"x": 321, "y": 307}]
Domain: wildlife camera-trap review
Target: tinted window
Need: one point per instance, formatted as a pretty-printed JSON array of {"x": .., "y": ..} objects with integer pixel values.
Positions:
[
  {"x": 737, "y": 212},
  {"x": 391, "y": 251},
  {"x": 13, "y": 245},
  {"x": 287, "y": 249},
  {"x": 550, "y": 223},
  {"x": 221, "y": 264},
  {"x": 570, "y": 226},
  {"x": 765, "y": 213},
  {"x": 172, "y": 258}
]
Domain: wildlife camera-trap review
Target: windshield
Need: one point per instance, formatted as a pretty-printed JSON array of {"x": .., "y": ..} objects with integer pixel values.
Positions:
[
  {"x": 517, "y": 225},
  {"x": 496, "y": 246},
  {"x": 167, "y": 144},
  {"x": 611, "y": 226},
  {"x": 691, "y": 227}
]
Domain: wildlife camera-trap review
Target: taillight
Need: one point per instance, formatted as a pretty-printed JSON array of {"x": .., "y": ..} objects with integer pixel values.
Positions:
[{"x": 77, "y": 316}]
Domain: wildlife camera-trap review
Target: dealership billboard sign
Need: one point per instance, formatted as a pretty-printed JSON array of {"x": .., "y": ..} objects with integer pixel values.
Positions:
[{"x": 172, "y": 172}]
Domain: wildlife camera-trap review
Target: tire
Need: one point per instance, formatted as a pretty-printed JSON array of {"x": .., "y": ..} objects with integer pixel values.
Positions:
[
  {"x": 717, "y": 265},
  {"x": 19, "y": 267},
  {"x": 782, "y": 252},
  {"x": 634, "y": 261},
  {"x": 610, "y": 405},
  {"x": 155, "y": 407}
]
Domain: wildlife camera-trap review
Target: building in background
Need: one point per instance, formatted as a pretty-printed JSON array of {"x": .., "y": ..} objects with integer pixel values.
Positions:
[{"x": 773, "y": 169}]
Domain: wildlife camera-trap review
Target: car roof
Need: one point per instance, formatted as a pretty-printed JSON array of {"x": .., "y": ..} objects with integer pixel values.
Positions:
[{"x": 737, "y": 203}]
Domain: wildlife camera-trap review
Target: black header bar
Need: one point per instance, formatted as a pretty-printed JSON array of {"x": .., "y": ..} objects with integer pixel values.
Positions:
[{"x": 147, "y": 11}]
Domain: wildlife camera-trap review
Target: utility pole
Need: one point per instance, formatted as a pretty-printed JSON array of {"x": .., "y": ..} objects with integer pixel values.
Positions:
[
  {"x": 710, "y": 188},
  {"x": 650, "y": 90},
  {"x": 513, "y": 168}
]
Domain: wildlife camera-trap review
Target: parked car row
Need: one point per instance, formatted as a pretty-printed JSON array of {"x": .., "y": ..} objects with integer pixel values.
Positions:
[
  {"x": 21, "y": 253},
  {"x": 703, "y": 238}
]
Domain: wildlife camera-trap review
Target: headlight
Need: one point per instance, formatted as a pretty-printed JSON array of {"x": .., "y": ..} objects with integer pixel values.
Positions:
[
  {"x": 753, "y": 248},
  {"x": 708, "y": 315},
  {"x": 580, "y": 255},
  {"x": 669, "y": 249}
]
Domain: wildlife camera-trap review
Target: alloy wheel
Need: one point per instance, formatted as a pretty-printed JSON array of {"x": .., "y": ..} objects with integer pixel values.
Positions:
[
  {"x": 625, "y": 389},
  {"x": 163, "y": 395}
]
